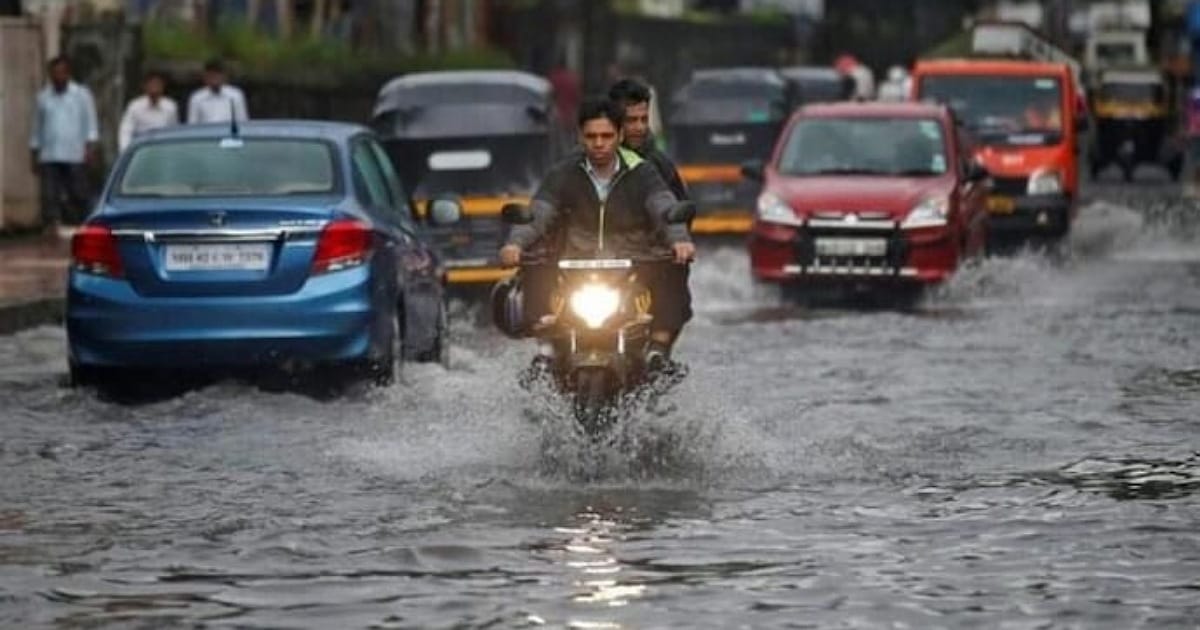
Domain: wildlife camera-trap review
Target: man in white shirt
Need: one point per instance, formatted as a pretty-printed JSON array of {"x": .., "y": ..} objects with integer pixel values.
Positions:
[
  {"x": 63, "y": 142},
  {"x": 216, "y": 102},
  {"x": 149, "y": 111}
]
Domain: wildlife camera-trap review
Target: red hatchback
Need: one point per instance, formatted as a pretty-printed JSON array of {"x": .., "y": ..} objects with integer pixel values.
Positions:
[{"x": 868, "y": 192}]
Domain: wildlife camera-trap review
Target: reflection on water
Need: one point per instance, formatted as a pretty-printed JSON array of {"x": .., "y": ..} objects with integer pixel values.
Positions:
[{"x": 1133, "y": 479}]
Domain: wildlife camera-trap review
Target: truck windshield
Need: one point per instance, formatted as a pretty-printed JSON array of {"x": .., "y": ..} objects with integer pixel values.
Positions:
[{"x": 1002, "y": 109}]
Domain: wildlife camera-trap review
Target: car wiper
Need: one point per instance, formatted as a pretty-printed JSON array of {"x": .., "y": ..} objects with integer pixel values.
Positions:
[
  {"x": 916, "y": 172},
  {"x": 846, "y": 171}
]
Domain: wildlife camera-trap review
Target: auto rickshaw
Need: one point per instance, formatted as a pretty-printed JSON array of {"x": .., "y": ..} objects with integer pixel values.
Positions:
[
  {"x": 1134, "y": 123},
  {"x": 484, "y": 137},
  {"x": 816, "y": 84},
  {"x": 720, "y": 119}
]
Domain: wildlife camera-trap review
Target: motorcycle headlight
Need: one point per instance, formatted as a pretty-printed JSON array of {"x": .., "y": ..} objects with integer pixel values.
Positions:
[
  {"x": 772, "y": 209},
  {"x": 1045, "y": 183},
  {"x": 595, "y": 303},
  {"x": 930, "y": 212}
]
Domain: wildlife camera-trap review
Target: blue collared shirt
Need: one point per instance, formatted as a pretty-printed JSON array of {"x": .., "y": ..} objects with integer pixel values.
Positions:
[
  {"x": 64, "y": 124},
  {"x": 602, "y": 185}
]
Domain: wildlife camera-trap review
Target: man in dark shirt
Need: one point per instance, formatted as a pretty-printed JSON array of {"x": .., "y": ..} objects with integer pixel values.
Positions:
[{"x": 634, "y": 99}]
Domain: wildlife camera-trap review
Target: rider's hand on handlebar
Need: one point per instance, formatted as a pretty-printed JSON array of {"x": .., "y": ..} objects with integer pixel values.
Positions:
[
  {"x": 510, "y": 255},
  {"x": 684, "y": 252}
]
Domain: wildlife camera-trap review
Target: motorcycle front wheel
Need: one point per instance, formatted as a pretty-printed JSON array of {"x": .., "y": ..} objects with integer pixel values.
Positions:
[{"x": 593, "y": 401}]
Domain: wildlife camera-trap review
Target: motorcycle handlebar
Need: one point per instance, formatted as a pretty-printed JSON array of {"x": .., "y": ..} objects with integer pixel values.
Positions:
[{"x": 637, "y": 261}]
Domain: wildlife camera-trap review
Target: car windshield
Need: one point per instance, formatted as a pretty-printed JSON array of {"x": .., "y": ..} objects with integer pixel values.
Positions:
[
  {"x": 229, "y": 167},
  {"x": 869, "y": 146},
  {"x": 734, "y": 90},
  {"x": 1116, "y": 53},
  {"x": 1131, "y": 92},
  {"x": 1011, "y": 110}
]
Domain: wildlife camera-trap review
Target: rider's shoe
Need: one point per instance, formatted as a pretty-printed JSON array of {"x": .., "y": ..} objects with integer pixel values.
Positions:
[
  {"x": 658, "y": 358},
  {"x": 539, "y": 368}
]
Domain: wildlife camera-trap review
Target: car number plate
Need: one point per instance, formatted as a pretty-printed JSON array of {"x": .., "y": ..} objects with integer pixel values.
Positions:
[
  {"x": 851, "y": 247},
  {"x": 1001, "y": 205},
  {"x": 218, "y": 257}
]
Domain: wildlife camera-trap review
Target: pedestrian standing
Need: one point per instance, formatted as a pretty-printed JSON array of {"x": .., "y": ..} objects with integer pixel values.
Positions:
[
  {"x": 151, "y": 110},
  {"x": 63, "y": 143},
  {"x": 217, "y": 101}
]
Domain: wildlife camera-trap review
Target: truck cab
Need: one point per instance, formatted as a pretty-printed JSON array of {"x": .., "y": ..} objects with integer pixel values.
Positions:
[{"x": 1024, "y": 119}]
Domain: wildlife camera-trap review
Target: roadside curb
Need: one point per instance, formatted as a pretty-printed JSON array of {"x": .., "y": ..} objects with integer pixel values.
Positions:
[{"x": 17, "y": 316}]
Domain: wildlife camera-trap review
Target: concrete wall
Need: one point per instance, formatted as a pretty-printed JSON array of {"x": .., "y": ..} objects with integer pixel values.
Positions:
[{"x": 20, "y": 79}]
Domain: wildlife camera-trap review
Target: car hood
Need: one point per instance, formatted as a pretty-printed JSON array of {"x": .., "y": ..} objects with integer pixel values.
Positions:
[{"x": 893, "y": 196}]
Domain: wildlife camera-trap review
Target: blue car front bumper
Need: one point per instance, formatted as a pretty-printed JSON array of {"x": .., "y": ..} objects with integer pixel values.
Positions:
[{"x": 331, "y": 318}]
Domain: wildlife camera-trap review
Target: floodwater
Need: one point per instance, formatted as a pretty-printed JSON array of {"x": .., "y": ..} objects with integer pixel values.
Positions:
[{"x": 1021, "y": 451}]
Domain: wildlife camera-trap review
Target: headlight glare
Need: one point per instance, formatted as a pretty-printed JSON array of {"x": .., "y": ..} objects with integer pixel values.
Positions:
[
  {"x": 595, "y": 303},
  {"x": 930, "y": 212},
  {"x": 772, "y": 209},
  {"x": 1045, "y": 183}
]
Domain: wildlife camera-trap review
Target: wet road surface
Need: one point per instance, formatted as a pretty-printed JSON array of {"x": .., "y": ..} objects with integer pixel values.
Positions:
[{"x": 1023, "y": 451}]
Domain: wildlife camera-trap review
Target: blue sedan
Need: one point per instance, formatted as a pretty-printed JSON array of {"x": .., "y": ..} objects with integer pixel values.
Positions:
[{"x": 279, "y": 243}]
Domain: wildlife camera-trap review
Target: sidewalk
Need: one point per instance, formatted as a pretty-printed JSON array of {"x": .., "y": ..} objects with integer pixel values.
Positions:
[{"x": 33, "y": 274}]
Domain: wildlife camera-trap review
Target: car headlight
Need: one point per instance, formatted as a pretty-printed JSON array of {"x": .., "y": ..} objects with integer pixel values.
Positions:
[
  {"x": 595, "y": 303},
  {"x": 1045, "y": 183},
  {"x": 930, "y": 212},
  {"x": 772, "y": 209}
]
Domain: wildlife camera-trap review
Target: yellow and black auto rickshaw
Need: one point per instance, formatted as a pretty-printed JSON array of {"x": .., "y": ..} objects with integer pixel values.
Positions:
[
  {"x": 720, "y": 119},
  {"x": 485, "y": 137},
  {"x": 1135, "y": 123}
]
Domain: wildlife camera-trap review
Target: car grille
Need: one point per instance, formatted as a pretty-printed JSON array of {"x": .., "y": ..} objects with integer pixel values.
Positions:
[
  {"x": 1010, "y": 186},
  {"x": 818, "y": 243}
]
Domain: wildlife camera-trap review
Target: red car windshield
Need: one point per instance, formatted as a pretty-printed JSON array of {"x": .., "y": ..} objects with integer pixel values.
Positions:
[{"x": 908, "y": 147}]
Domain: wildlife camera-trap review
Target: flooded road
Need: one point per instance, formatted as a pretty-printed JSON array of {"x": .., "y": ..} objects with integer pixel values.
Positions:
[{"x": 1023, "y": 451}]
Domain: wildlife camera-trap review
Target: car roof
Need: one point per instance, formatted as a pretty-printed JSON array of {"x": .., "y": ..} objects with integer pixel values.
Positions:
[
  {"x": 991, "y": 66},
  {"x": 874, "y": 109},
  {"x": 742, "y": 73},
  {"x": 810, "y": 72},
  {"x": 313, "y": 129},
  {"x": 1143, "y": 77},
  {"x": 517, "y": 78}
]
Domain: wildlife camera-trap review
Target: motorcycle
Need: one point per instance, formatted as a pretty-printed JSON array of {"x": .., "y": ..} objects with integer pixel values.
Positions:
[{"x": 599, "y": 328}]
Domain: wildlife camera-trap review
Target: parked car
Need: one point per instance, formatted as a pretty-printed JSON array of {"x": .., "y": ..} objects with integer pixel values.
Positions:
[
  {"x": 276, "y": 243},
  {"x": 485, "y": 135},
  {"x": 882, "y": 194}
]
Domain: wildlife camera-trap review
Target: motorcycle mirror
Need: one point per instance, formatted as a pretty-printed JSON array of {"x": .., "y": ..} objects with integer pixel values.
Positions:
[
  {"x": 977, "y": 172},
  {"x": 753, "y": 170},
  {"x": 444, "y": 210},
  {"x": 516, "y": 214},
  {"x": 681, "y": 212}
]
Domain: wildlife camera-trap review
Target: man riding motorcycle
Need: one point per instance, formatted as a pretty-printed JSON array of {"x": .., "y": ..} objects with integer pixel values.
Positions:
[
  {"x": 634, "y": 99},
  {"x": 609, "y": 201}
]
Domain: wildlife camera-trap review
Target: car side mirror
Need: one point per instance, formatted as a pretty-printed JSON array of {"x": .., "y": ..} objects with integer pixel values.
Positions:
[
  {"x": 976, "y": 172},
  {"x": 681, "y": 212},
  {"x": 516, "y": 214},
  {"x": 444, "y": 211},
  {"x": 753, "y": 170}
]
